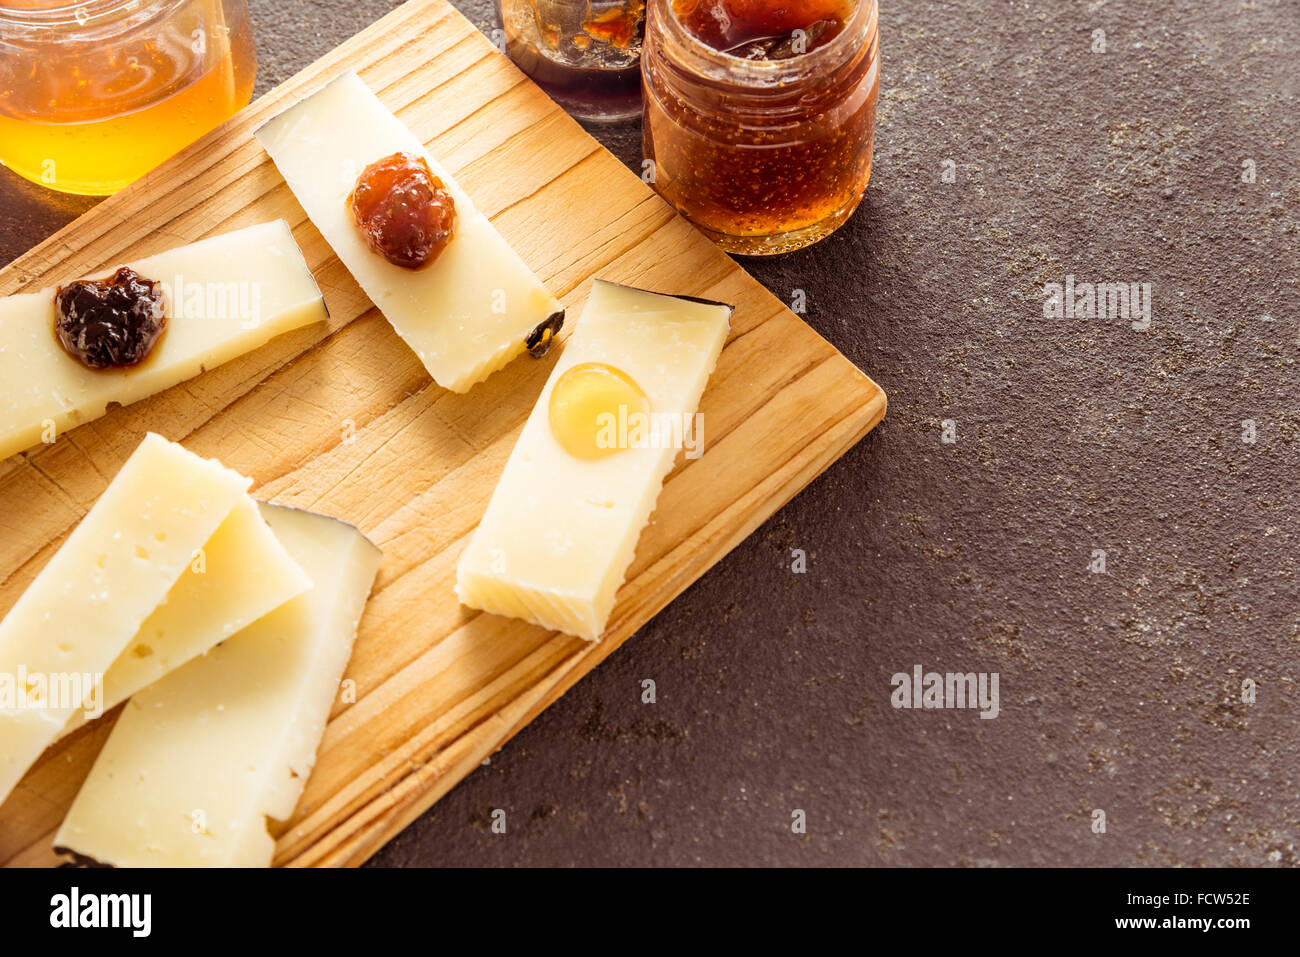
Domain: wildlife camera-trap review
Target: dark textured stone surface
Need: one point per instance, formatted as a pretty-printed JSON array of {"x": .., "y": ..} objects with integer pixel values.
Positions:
[{"x": 1120, "y": 691}]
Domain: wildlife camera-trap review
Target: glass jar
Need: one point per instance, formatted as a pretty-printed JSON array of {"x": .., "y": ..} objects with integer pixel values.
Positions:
[
  {"x": 586, "y": 54},
  {"x": 762, "y": 135},
  {"x": 95, "y": 94}
]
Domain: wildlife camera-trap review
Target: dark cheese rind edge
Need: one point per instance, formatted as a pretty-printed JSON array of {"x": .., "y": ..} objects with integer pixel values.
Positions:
[
  {"x": 299, "y": 100},
  {"x": 79, "y": 860},
  {"x": 302, "y": 258},
  {"x": 668, "y": 295},
  {"x": 535, "y": 337},
  {"x": 333, "y": 518}
]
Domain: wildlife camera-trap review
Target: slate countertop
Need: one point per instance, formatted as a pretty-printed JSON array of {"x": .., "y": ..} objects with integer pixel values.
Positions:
[{"x": 1012, "y": 151}]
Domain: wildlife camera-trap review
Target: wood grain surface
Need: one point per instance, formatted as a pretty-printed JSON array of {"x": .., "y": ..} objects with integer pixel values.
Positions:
[{"x": 343, "y": 419}]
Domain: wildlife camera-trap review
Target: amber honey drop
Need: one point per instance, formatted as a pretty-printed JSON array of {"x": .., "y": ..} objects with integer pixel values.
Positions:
[{"x": 587, "y": 406}]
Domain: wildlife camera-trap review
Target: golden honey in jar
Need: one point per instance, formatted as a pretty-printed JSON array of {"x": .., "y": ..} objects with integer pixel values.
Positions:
[
  {"x": 760, "y": 114},
  {"x": 97, "y": 93}
]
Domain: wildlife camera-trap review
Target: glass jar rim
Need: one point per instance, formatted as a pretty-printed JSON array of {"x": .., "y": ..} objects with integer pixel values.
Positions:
[
  {"x": 77, "y": 13},
  {"x": 771, "y": 71}
]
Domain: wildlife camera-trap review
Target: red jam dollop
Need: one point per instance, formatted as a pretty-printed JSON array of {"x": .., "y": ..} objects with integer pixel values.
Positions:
[{"x": 404, "y": 211}]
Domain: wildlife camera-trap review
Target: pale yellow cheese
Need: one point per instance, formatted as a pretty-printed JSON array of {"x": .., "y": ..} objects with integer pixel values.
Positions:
[
  {"x": 223, "y": 296},
  {"x": 201, "y": 759},
  {"x": 469, "y": 312},
  {"x": 115, "y": 568},
  {"x": 560, "y": 531},
  {"x": 241, "y": 574}
]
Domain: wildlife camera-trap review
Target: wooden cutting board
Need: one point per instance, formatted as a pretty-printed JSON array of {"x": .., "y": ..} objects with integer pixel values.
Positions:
[{"x": 343, "y": 419}]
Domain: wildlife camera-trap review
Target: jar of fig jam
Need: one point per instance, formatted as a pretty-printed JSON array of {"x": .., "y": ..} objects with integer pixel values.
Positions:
[
  {"x": 759, "y": 115},
  {"x": 586, "y": 54}
]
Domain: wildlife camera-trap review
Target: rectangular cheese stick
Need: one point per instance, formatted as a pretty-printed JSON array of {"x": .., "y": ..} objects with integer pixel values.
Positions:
[
  {"x": 241, "y": 574},
  {"x": 466, "y": 314},
  {"x": 200, "y": 760},
  {"x": 561, "y": 529},
  {"x": 223, "y": 296},
  {"x": 115, "y": 568}
]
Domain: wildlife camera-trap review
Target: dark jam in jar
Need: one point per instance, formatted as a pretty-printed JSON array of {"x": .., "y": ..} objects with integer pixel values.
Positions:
[
  {"x": 760, "y": 115},
  {"x": 758, "y": 30},
  {"x": 109, "y": 323},
  {"x": 403, "y": 210},
  {"x": 586, "y": 54}
]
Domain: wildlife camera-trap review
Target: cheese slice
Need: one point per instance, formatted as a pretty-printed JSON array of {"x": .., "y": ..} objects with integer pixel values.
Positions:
[
  {"x": 241, "y": 574},
  {"x": 222, "y": 297},
  {"x": 115, "y": 568},
  {"x": 201, "y": 759},
  {"x": 466, "y": 314},
  {"x": 560, "y": 531}
]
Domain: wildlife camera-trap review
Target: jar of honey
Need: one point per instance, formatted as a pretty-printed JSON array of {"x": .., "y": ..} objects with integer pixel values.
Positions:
[
  {"x": 760, "y": 114},
  {"x": 94, "y": 94}
]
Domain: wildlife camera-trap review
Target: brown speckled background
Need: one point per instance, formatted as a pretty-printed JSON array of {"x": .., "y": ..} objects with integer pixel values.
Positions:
[{"x": 1119, "y": 691}]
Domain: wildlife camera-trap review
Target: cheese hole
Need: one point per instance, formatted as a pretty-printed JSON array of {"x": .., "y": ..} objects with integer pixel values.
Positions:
[
  {"x": 141, "y": 553},
  {"x": 64, "y": 647},
  {"x": 101, "y": 561},
  {"x": 141, "y": 651},
  {"x": 160, "y": 537}
]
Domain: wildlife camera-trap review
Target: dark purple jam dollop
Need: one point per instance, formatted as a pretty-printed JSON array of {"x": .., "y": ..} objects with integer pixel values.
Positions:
[{"x": 109, "y": 323}]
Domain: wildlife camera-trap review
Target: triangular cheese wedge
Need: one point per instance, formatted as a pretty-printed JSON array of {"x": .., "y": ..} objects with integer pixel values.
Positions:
[
  {"x": 200, "y": 760},
  {"x": 240, "y": 574},
  {"x": 115, "y": 568}
]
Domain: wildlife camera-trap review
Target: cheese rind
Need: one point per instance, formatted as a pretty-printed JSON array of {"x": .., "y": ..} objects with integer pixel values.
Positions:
[
  {"x": 224, "y": 296},
  {"x": 201, "y": 759},
  {"x": 560, "y": 531},
  {"x": 466, "y": 314},
  {"x": 242, "y": 574},
  {"x": 103, "y": 583}
]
